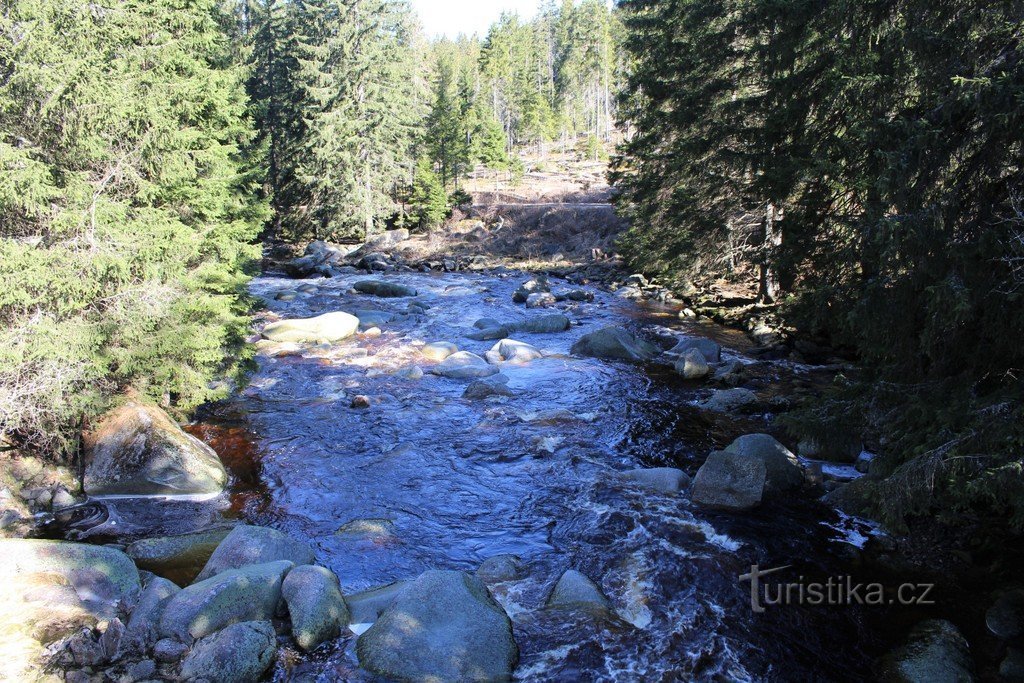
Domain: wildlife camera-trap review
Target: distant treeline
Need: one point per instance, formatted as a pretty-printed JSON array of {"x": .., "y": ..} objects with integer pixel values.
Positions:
[{"x": 865, "y": 160}]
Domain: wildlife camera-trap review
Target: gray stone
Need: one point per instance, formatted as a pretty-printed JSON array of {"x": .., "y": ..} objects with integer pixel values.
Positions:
[
  {"x": 464, "y": 365},
  {"x": 615, "y": 343},
  {"x": 248, "y": 594},
  {"x": 146, "y": 615},
  {"x": 438, "y": 351},
  {"x": 541, "y": 324},
  {"x": 388, "y": 290},
  {"x": 729, "y": 481},
  {"x": 169, "y": 650},
  {"x": 489, "y": 333},
  {"x": 693, "y": 365},
  {"x": 500, "y": 568},
  {"x": 661, "y": 479},
  {"x": 323, "y": 329},
  {"x": 104, "y": 579},
  {"x": 729, "y": 400},
  {"x": 486, "y": 323},
  {"x": 247, "y": 545},
  {"x": 365, "y": 607},
  {"x": 1012, "y": 666},
  {"x": 935, "y": 652},
  {"x": 143, "y": 670},
  {"x": 784, "y": 471},
  {"x": 1005, "y": 618},
  {"x": 711, "y": 350},
  {"x": 137, "y": 449},
  {"x": 315, "y": 605},
  {"x": 239, "y": 654},
  {"x": 512, "y": 351},
  {"x": 178, "y": 558},
  {"x": 540, "y": 300},
  {"x": 444, "y": 627},
  {"x": 368, "y": 319},
  {"x": 576, "y": 591}
]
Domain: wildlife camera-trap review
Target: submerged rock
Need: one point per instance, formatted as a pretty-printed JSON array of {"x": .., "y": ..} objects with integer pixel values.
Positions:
[
  {"x": 240, "y": 653},
  {"x": 178, "y": 558},
  {"x": 661, "y": 479},
  {"x": 576, "y": 591},
  {"x": 500, "y": 568},
  {"x": 446, "y": 627},
  {"x": 315, "y": 605},
  {"x": 384, "y": 289},
  {"x": 327, "y": 328},
  {"x": 247, "y": 545},
  {"x": 729, "y": 481},
  {"x": 485, "y": 388},
  {"x": 1005, "y": 618},
  {"x": 489, "y": 333},
  {"x": 614, "y": 342},
  {"x": 935, "y": 652},
  {"x": 464, "y": 365},
  {"x": 784, "y": 471},
  {"x": 137, "y": 449},
  {"x": 540, "y": 300},
  {"x": 251, "y": 593},
  {"x": 365, "y": 607}
]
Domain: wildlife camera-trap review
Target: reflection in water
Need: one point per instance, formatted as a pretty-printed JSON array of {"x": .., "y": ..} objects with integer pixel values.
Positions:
[{"x": 457, "y": 481}]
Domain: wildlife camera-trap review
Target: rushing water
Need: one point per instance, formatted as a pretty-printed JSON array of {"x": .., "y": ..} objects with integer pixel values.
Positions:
[{"x": 457, "y": 481}]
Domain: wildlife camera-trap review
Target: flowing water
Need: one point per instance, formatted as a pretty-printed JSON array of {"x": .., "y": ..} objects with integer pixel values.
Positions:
[{"x": 449, "y": 482}]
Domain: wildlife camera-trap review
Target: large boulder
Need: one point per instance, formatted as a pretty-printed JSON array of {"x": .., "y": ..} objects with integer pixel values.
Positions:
[
  {"x": 710, "y": 350},
  {"x": 255, "y": 545},
  {"x": 178, "y": 558},
  {"x": 383, "y": 241},
  {"x": 935, "y": 652},
  {"x": 137, "y": 449},
  {"x": 660, "y": 479},
  {"x": 388, "y": 290},
  {"x": 444, "y": 627},
  {"x": 438, "y": 351},
  {"x": 512, "y": 351},
  {"x": 248, "y": 594},
  {"x": 784, "y": 471},
  {"x": 541, "y": 324},
  {"x": 365, "y": 607},
  {"x": 464, "y": 365},
  {"x": 729, "y": 400},
  {"x": 315, "y": 605},
  {"x": 693, "y": 365},
  {"x": 105, "y": 579},
  {"x": 576, "y": 591},
  {"x": 729, "y": 481},
  {"x": 326, "y": 328},
  {"x": 614, "y": 342},
  {"x": 240, "y": 653}
]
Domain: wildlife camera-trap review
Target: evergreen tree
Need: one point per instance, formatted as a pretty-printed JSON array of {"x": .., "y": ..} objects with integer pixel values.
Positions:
[{"x": 429, "y": 200}]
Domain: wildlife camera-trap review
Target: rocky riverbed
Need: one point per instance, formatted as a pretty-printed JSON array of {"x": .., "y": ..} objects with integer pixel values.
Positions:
[{"x": 456, "y": 476}]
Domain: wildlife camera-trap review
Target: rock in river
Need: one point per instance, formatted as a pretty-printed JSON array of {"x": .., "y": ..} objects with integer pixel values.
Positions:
[
  {"x": 247, "y": 594},
  {"x": 138, "y": 449},
  {"x": 693, "y": 365},
  {"x": 614, "y": 342},
  {"x": 935, "y": 652},
  {"x": 784, "y": 471},
  {"x": 384, "y": 289},
  {"x": 178, "y": 558},
  {"x": 711, "y": 351},
  {"x": 240, "y": 653},
  {"x": 327, "y": 328},
  {"x": 512, "y": 351},
  {"x": 661, "y": 479},
  {"x": 315, "y": 605},
  {"x": 438, "y": 351},
  {"x": 464, "y": 365},
  {"x": 576, "y": 591},
  {"x": 728, "y": 400},
  {"x": 247, "y": 545},
  {"x": 541, "y": 324},
  {"x": 444, "y": 626},
  {"x": 729, "y": 481}
]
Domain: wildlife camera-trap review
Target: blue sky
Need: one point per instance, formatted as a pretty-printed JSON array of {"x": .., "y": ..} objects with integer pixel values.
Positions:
[{"x": 451, "y": 17}]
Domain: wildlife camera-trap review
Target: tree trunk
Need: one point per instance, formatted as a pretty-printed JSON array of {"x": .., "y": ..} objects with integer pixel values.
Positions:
[{"x": 769, "y": 280}]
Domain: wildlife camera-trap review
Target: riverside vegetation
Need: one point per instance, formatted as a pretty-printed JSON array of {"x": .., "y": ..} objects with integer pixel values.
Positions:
[{"x": 841, "y": 180}]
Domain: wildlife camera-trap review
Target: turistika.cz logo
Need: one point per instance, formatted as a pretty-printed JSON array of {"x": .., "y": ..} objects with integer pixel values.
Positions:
[{"x": 836, "y": 590}]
